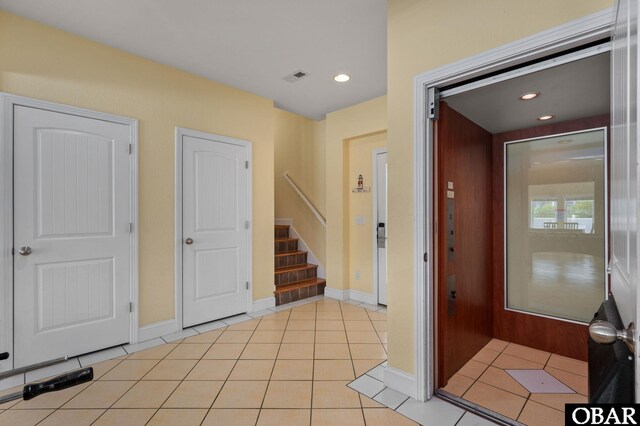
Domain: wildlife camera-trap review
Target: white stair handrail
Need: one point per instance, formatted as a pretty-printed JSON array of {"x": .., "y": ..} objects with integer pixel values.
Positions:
[{"x": 309, "y": 204}]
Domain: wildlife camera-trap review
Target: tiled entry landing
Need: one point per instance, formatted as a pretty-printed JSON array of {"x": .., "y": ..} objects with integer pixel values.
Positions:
[
  {"x": 498, "y": 376},
  {"x": 436, "y": 411}
]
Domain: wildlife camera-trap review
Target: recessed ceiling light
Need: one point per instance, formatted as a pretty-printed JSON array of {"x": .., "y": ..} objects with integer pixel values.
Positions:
[
  {"x": 342, "y": 78},
  {"x": 529, "y": 96},
  {"x": 545, "y": 117}
]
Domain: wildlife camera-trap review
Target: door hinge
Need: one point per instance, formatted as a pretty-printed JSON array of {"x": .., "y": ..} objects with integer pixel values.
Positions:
[
  {"x": 13, "y": 252},
  {"x": 433, "y": 103},
  {"x": 247, "y": 285},
  {"x": 246, "y": 224},
  {"x": 130, "y": 148},
  {"x": 131, "y": 227},
  {"x": 246, "y": 165},
  {"x": 426, "y": 257},
  {"x": 130, "y": 307}
]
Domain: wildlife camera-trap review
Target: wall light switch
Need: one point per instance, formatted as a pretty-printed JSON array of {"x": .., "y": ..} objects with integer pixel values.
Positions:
[
  {"x": 359, "y": 220},
  {"x": 357, "y": 275}
]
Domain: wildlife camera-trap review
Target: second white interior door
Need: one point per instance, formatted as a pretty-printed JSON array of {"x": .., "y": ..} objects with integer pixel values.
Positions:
[{"x": 216, "y": 229}]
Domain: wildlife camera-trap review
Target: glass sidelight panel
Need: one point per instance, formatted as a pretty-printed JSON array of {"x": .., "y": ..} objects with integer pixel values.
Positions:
[{"x": 555, "y": 224}]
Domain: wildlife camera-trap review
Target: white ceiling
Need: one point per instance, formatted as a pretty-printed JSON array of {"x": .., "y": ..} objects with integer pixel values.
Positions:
[
  {"x": 578, "y": 89},
  {"x": 248, "y": 44}
]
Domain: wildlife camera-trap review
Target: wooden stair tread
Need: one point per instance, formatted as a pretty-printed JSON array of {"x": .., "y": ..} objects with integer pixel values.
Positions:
[
  {"x": 293, "y": 282},
  {"x": 296, "y": 267},
  {"x": 300, "y": 284},
  {"x": 289, "y": 253}
]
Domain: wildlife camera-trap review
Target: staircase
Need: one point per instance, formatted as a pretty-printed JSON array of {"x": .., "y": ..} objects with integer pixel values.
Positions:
[{"x": 295, "y": 279}]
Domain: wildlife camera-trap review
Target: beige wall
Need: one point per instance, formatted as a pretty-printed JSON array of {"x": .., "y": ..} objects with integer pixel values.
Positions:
[
  {"x": 361, "y": 204},
  {"x": 348, "y": 123},
  {"x": 45, "y": 63},
  {"x": 299, "y": 149},
  {"x": 424, "y": 35}
]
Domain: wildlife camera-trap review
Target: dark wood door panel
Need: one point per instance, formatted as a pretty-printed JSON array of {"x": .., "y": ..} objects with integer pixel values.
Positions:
[{"x": 464, "y": 159}]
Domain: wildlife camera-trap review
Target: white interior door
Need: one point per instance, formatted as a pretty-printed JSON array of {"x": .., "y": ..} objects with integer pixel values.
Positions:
[
  {"x": 215, "y": 228},
  {"x": 381, "y": 226},
  {"x": 624, "y": 166},
  {"x": 71, "y": 235}
]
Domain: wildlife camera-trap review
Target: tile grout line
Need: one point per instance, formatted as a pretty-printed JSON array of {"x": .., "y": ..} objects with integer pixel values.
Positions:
[
  {"x": 224, "y": 382},
  {"x": 182, "y": 341},
  {"x": 190, "y": 370},
  {"x": 274, "y": 365},
  {"x": 97, "y": 380},
  {"x": 351, "y": 358},
  {"x": 313, "y": 362},
  {"x": 234, "y": 365},
  {"x": 141, "y": 379}
]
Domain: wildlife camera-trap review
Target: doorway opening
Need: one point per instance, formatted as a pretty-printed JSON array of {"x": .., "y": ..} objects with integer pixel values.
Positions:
[
  {"x": 365, "y": 178},
  {"x": 520, "y": 211},
  {"x": 379, "y": 222}
]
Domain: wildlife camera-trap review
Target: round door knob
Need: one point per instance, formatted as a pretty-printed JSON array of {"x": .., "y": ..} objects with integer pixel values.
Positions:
[
  {"x": 603, "y": 332},
  {"x": 25, "y": 251},
  {"x": 188, "y": 241},
  {"x": 606, "y": 333}
]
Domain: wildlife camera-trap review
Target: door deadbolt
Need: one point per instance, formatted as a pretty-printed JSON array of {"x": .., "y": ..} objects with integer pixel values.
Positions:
[{"x": 188, "y": 241}]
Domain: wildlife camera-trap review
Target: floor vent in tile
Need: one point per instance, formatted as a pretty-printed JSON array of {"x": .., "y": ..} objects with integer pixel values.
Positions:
[{"x": 539, "y": 381}]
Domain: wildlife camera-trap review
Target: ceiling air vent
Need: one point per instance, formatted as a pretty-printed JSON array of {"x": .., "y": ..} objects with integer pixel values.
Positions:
[{"x": 292, "y": 78}]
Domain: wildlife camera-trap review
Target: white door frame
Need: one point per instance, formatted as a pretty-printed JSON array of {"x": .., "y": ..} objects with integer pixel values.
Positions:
[
  {"x": 374, "y": 216},
  {"x": 7, "y": 103},
  {"x": 180, "y": 133},
  {"x": 572, "y": 34}
]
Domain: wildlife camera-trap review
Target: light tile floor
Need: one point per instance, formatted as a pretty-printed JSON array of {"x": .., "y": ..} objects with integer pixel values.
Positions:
[
  {"x": 291, "y": 365},
  {"x": 485, "y": 382},
  {"x": 283, "y": 366}
]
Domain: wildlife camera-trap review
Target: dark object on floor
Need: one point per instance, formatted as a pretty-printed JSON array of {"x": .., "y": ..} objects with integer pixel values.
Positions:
[{"x": 58, "y": 383}]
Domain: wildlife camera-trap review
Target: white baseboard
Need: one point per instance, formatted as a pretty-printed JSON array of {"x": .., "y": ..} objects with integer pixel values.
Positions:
[
  {"x": 334, "y": 293},
  {"x": 363, "y": 297},
  {"x": 262, "y": 304},
  {"x": 360, "y": 296},
  {"x": 311, "y": 258},
  {"x": 400, "y": 381},
  {"x": 157, "y": 329}
]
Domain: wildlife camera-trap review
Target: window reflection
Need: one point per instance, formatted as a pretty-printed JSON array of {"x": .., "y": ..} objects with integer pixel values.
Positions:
[{"x": 555, "y": 224}]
